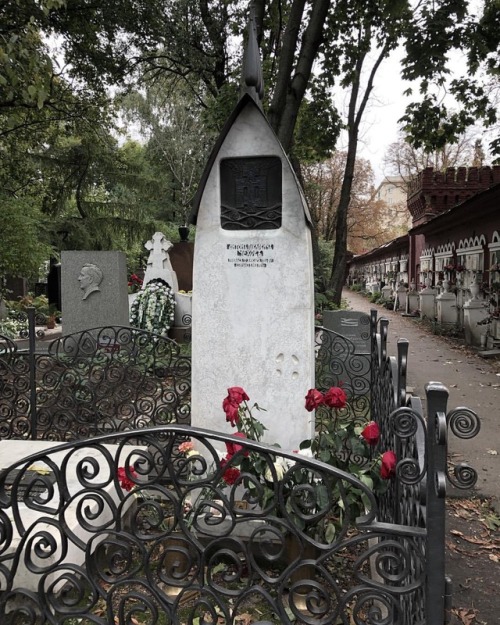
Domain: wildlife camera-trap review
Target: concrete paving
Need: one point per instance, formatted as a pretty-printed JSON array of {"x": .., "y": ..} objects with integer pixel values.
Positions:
[{"x": 471, "y": 381}]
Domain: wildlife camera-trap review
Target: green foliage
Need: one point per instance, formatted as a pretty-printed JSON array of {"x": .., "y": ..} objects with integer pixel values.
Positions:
[
  {"x": 318, "y": 126},
  {"x": 23, "y": 249},
  {"x": 356, "y": 288},
  {"x": 436, "y": 31}
]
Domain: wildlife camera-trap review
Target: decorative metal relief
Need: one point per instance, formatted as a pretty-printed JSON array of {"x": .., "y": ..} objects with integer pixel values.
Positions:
[{"x": 251, "y": 195}]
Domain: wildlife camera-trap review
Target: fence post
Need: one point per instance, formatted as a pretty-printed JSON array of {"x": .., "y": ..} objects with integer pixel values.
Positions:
[
  {"x": 436, "y": 590},
  {"x": 32, "y": 368},
  {"x": 403, "y": 347}
]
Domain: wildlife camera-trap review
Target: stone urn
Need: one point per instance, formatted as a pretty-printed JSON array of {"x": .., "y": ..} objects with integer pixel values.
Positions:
[
  {"x": 184, "y": 233},
  {"x": 474, "y": 290}
]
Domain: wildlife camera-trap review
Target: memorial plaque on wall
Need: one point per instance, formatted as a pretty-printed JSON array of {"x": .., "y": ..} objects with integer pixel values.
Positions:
[{"x": 251, "y": 195}]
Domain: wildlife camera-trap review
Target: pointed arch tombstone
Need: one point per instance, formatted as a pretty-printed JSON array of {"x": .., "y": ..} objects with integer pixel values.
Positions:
[{"x": 253, "y": 284}]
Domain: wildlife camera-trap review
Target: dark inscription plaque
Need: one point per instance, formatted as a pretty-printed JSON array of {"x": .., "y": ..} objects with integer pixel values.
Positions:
[{"x": 251, "y": 193}]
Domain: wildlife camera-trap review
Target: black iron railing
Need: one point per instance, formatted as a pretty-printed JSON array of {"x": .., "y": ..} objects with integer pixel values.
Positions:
[
  {"x": 125, "y": 525},
  {"x": 93, "y": 382}
]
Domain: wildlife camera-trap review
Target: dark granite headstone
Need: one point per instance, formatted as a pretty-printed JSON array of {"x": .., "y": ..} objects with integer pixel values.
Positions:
[
  {"x": 54, "y": 286},
  {"x": 18, "y": 287},
  {"x": 352, "y": 324}
]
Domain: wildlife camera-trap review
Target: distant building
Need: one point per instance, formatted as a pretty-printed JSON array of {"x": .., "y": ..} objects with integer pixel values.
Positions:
[
  {"x": 455, "y": 233},
  {"x": 392, "y": 190},
  {"x": 392, "y": 193}
]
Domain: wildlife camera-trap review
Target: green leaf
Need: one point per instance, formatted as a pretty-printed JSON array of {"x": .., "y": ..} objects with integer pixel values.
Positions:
[
  {"x": 330, "y": 531},
  {"x": 366, "y": 479}
]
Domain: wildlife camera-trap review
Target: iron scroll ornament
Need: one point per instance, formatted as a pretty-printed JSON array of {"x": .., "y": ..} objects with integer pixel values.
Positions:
[
  {"x": 93, "y": 382},
  {"x": 178, "y": 533}
]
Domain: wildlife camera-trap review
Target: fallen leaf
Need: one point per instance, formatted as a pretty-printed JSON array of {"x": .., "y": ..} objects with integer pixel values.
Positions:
[
  {"x": 492, "y": 452},
  {"x": 244, "y": 619},
  {"x": 466, "y": 615},
  {"x": 494, "y": 557}
]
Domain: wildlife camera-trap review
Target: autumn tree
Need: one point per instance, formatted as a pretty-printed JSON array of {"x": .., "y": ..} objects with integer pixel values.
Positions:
[
  {"x": 369, "y": 222},
  {"x": 406, "y": 161}
]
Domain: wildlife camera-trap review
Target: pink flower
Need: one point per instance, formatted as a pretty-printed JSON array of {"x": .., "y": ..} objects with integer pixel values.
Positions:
[
  {"x": 231, "y": 410},
  {"x": 388, "y": 466},
  {"x": 234, "y": 448},
  {"x": 371, "y": 433},
  {"x": 236, "y": 394},
  {"x": 314, "y": 398},
  {"x": 185, "y": 447},
  {"x": 335, "y": 397},
  {"x": 123, "y": 477}
]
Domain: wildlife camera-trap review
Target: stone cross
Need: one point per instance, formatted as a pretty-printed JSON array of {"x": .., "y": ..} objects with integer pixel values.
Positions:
[{"x": 159, "y": 265}]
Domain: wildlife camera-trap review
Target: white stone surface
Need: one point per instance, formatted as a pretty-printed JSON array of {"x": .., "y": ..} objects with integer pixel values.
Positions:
[
  {"x": 447, "y": 312},
  {"x": 183, "y": 310},
  {"x": 412, "y": 302},
  {"x": 474, "y": 311},
  {"x": 159, "y": 265},
  {"x": 12, "y": 451},
  {"x": 253, "y": 326},
  {"x": 400, "y": 300},
  {"x": 427, "y": 303}
]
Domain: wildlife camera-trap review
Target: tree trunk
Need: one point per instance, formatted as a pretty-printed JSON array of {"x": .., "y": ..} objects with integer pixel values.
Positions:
[
  {"x": 289, "y": 91},
  {"x": 355, "y": 115}
]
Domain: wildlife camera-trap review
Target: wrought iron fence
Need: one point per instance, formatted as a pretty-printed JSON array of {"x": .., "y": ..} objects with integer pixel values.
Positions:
[
  {"x": 124, "y": 525},
  {"x": 93, "y": 382},
  {"x": 338, "y": 364},
  {"x": 196, "y": 538}
]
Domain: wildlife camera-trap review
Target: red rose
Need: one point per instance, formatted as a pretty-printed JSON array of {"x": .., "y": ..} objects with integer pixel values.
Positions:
[
  {"x": 314, "y": 398},
  {"x": 371, "y": 433},
  {"x": 123, "y": 477},
  {"x": 234, "y": 448},
  {"x": 237, "y": 394},
  {"x": 231, "y": 474},
  {"x": 335, "y": 397},
  {"x": 231, "y": 410},
  {"x": 388, "y": 466}
]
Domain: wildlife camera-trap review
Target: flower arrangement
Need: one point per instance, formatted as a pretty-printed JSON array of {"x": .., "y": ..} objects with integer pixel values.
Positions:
[
  {"x": 449, "y": 267},
  {"x": 153, "y": 308},
  {"x": 345, "y": 445},
  {"x": 134, "y": 283}
]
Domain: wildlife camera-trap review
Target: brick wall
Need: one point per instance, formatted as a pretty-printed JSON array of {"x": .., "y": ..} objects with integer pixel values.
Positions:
[{"x": 433, "y": 192}]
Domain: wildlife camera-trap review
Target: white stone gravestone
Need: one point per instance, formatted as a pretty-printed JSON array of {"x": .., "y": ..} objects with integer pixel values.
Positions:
[
  {"x": 253, "y": 283},
  {"x": 427, "y": 302}
]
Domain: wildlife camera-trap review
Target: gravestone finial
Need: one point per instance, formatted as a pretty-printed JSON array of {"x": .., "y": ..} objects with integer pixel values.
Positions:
[{"x": 253, "y": 83}]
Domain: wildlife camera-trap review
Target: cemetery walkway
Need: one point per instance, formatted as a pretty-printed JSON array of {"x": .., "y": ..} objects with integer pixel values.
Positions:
[
  {"x": 472, "y": 534},
  {"x": 471, "y": 380}
]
